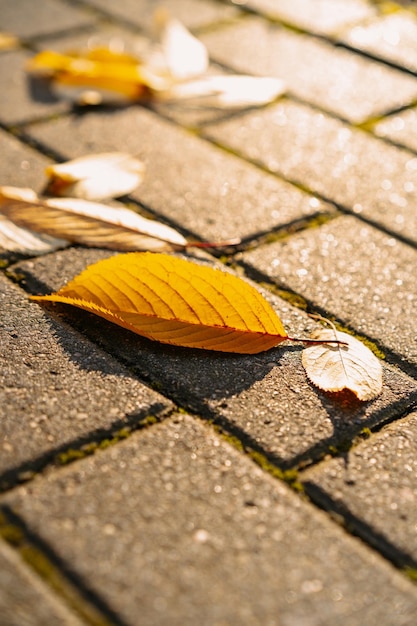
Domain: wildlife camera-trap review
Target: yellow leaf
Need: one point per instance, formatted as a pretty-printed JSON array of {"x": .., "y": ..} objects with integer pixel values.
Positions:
[
  {"x": 97, "y": 68},
  {"x": 175, "y": 301},
  {"x": 337, "y": 367},
  {"x": 96, "y": 176},
  {"x": 87, "y": 223}
]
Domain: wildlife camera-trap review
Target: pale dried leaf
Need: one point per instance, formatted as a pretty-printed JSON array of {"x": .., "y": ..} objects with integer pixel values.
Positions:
[
  {"x": 88, "y": 223},
  {"x": 13, "y": 238},
  {"x": 226, "y": 91},
  {"x": 96, "y": 176},
  {"x": 185, "y": 56},
  {"x": 337, "y": 367}
]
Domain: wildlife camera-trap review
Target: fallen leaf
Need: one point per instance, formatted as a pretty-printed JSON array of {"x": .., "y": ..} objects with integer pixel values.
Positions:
[
  {"x": 96, "y": 177},
  {"x": 87, "y": 223},
  {"x": 226, "y": 91},
  {"x": 184, "y": 55},
  {"x": 168, "y": 73},
  {"x": 8, "y": 41},
  {"x": 99, "y": 68},
  {"x": 336, "y": 367},
  {"x": 176, "y": 301},
  {"x": 13, "y": 238}
]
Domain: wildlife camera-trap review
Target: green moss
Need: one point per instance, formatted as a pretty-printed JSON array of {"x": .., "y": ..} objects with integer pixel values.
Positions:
[
  {"x": 231, "y": 439},
  {"x": 149, "y": 420},
  {"x": 70, "y": 455},
  {"x": 87, "y": 449},
  {"x": 367, "y": 342},
  {"x": 288, "y": 476},
  {"x": 411, "y": 573},
  {"x": 3, "y": 264},
  {"x": 365, "y": 433},
  {"x": 289, "y": 296},
  {"x": 11, "y": 534},
  {"x": 16, "y": 277}
]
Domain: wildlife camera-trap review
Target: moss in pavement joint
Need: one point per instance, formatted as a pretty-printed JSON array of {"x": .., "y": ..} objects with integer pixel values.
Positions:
[
  {"x": 75, "y": 454},
  {"x": 367, "y": 342},
  {"x": 288, "y": 476},
  {"x": 41, "y": 564},
  {"x": 16, "y": 277},
  {"x": 411, "y": 573}
]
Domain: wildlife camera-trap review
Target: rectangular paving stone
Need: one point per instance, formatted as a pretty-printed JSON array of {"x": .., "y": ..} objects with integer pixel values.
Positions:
[
  {"x": 334, "y": 79},
  {"x": 265, "y": 398},
  {"x": 24, "y": 599},
  {"x": 400, "y": 128},
  {"x": 192, "y": 13},
  {"x": 391, "y": 37},
  {"x": 332, "y": 159},
  {"x": 44, "y": 17},
  {"x": 24, "y": 166},
  {"x": 376, "y": 482},
  {"x": 354, "y": 272},
  {"x": 57, "y": 387},
  {"x": 25, "y": 99},
  {"x": 320, "y": 16},
  {"x": 188, "y": 181},
  {"x": 189, "y": 531}
]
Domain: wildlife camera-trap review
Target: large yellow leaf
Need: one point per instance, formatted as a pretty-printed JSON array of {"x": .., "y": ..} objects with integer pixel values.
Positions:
[{"x": 175, "y": 301}]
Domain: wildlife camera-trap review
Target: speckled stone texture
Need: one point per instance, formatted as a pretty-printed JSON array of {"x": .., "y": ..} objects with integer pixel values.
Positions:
[
  {"x": 357, "y": 266},
  {"x": 320, "y": 16},
  {"x": 343, "y": 164},
  {"x": 203, "y": 189},
  {"x": 266, "y": 397},
  {"x": 56, "y": 388},
  {"x": 24, "y": 599},
  {"x": 178, "y": 487},
  {"x": 333, "y": 79},
  {"x": 233, "y": 545},
  {"x": 376, "y": 481},
  {"x": 391, "y": 37}
]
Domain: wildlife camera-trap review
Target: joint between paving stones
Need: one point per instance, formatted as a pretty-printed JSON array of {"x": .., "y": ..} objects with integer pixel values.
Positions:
[
  {"x": 356, "y": 527},
  {"x": 39, "y": 557}
]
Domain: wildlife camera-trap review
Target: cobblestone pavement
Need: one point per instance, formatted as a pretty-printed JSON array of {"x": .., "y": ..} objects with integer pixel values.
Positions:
[{"x": 147, "y": 485}]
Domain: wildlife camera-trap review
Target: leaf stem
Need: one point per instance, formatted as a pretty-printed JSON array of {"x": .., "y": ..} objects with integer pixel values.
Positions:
[{"x": 319, "y": 342}]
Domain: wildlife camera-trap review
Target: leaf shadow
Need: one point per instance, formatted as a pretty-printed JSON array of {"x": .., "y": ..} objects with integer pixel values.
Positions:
[{"x": 233, "y": 390}]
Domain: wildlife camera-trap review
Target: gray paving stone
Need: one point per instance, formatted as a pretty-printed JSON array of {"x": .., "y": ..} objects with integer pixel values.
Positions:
[
  {"x": 25, "y": 99},
  {"x": 24, "y": 600},
  {"x": 57, "y": 387},
  {"x": 354, "y": 272},
  {"x": 377, "y": 483},
  {"x": 400, "y": 128},
  {"x": 345, "y": 165},
  {"x": 391, "y": 37},
  {"x": 192, "y": 13},
  {"x": 190, "y": 531},
  {"x": 333, "y": 79},
  {"x": 34, "y": 19},
  {"x": 23, "y": 167},
  {"x": 320, "y": 16},
  {"x": 265, "y": 398},
  {"x": 188, "y": 181}
]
